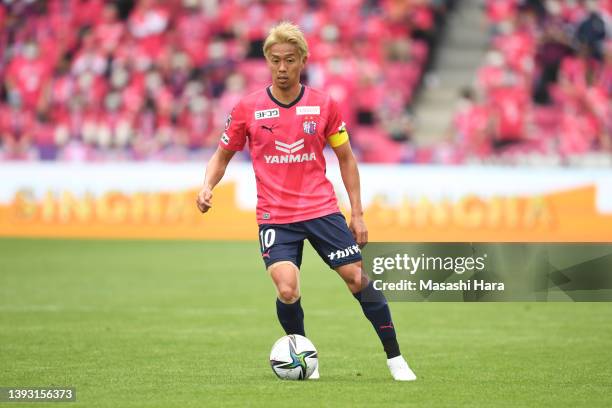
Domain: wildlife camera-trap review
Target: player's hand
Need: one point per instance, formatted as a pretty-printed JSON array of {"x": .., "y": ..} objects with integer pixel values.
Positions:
[
  {"x": 359, "y": 230},
  {"x": 204, "y": 200}
]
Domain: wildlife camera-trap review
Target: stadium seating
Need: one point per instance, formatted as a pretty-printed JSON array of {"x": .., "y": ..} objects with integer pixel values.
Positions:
[
  {"x": 89, "y": 80},
  {"x": 546, "y": 86}
]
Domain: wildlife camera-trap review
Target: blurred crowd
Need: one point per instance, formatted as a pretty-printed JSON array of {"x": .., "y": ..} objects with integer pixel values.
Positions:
[
  {"x": 546, "y": 85},
  {"x": 92, "y": 80}
]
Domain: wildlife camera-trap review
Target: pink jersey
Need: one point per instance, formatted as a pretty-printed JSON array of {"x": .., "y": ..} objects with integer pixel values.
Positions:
[{"x": 286, "y": 144}]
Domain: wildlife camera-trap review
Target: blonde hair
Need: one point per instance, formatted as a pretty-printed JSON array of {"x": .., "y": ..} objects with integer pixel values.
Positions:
[{"x": 286, "y": 32}]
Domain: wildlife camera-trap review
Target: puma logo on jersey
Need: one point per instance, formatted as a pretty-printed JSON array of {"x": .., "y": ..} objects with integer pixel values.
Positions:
[{"x": 269, "y": 128}]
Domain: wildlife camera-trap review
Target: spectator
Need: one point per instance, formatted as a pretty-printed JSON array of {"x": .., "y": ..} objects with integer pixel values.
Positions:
[
  {"x": 591, "y": 32},
  {"x": 147, "y": 79}
]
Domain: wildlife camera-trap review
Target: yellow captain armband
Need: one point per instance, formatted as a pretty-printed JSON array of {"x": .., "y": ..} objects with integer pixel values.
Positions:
[{"x": 338, "y": 139}]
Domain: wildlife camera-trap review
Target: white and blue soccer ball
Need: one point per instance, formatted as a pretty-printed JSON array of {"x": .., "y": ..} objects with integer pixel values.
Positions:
[{"x": 293, "y": 357}]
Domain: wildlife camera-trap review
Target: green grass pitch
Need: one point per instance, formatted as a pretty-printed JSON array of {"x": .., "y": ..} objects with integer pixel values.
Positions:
[{"x": 190, "y": 324}]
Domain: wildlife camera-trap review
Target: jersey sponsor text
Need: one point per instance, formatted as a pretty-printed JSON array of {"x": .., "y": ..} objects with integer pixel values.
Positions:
[
  {"x": 289, "y": 158},
  {"x": 308, "y": 110},
  {"x": 267, "y": 113}
]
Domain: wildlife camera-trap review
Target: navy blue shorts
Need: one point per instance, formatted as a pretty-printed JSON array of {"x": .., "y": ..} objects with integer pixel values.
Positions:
[{"x": 328, "y": 235}]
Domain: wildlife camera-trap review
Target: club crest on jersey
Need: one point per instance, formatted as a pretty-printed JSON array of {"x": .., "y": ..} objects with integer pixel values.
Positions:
[{"x": 310, "y": 127}]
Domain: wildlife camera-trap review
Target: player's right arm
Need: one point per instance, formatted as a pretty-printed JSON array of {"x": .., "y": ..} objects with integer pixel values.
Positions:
[
  {"x": 232, "y": 140},
  {"x": 214, "y": 173}
]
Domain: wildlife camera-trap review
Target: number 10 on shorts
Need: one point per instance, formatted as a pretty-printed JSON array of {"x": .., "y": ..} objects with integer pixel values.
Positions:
[{"x": 266, "y": 239}]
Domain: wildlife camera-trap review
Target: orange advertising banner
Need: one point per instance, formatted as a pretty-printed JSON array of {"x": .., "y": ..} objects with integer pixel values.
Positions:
[
  {"x": 402, "y": 203},
  {"x": 569, "y": 215}
]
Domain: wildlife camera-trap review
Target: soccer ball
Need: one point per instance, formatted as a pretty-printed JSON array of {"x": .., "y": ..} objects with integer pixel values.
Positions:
[{"x": 293, "y": 357}]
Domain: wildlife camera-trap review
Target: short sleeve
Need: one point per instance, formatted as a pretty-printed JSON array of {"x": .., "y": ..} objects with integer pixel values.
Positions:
[
  {"x": 335, "y": 130},
  {"x": 234, "y": 135}
]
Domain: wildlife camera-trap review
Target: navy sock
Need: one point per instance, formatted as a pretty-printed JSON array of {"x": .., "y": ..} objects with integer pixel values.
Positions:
[
  {"x": 291, "y": 317},
  {"x": 375, "y": 308}
]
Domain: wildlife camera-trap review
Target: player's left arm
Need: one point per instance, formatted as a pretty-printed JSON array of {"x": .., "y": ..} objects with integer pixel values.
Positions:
[{"x": 350, "y": 178}]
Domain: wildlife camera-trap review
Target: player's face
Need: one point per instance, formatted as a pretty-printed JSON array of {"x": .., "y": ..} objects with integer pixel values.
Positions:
[{"x": 285, "y": 65}]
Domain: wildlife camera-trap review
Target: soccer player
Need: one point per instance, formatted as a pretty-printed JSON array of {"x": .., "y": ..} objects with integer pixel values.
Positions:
[{"x": 287, "y": 125}]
